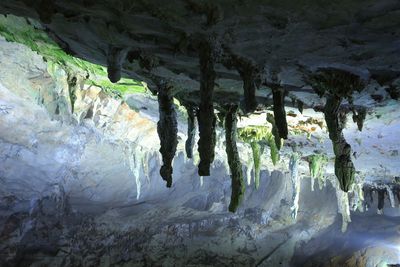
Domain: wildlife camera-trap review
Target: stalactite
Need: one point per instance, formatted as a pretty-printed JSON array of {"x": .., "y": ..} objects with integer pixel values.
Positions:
[
  {"x": 249, "y": 168},
  {"x": 249, "y": 88},
  {"x": 337, "y": 84},
  {"x": 238, "y": 184},
  {"x": 145, "y": 165},
  {"x": 295, "y": 179},
  {"x": 255, "y": 147},
  {"x": 250, "y": 74},
  {"x": 275, "y": 131},
  {"x": 191, "y": 132},
  {"x": 343, "y": 208},
  {"x": 205, "y": 115},
  {"x": 359, "y": 117},
  {"x": 358, "y": 197},
  {"x": 72, "y": 81},
  {"x": 344, "y": 167},
  {"x": 317, "y": 164},
  {"x": 279, "y": 111},
  {"x": 300, "y": 106},
  {"x": 381, "y": 200},
  {"x": 134, "y": 155},
  {"x": 46, "y": 10},
  {"x": 391, "y": 195},
  {"x": 115, "y": 58},
  {"x": 167, "y": 128}
]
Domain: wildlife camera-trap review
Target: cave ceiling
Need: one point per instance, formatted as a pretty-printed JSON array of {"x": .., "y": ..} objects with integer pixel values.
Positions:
[{"x": 256, "y": 42}]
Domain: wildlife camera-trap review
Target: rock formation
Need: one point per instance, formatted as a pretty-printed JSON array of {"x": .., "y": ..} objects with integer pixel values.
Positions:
[{"x": 167, "y": 128}]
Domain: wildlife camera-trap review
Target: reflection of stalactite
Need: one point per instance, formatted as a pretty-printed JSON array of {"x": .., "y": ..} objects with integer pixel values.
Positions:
[
  {"x": 238, "y": 186},
  {"x": 344, "y": 167},
  {"x": 167, "y": 131},
  {"x": 279, "y": 111},
  {"x": 205, "y": 115},
  {"x": 191, "y": 132},
  {"x": 115, "y": 58}
]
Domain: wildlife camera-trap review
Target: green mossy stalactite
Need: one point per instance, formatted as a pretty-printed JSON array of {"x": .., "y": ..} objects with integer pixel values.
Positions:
[
  {"x": 275, "y": 131},
  {"x": 238, "y": 184},
  {"x": 191, "y": 132},
  {"x": 206, "y": 116},
  {"x": 279, "y": 111},
  {"x": 167, "y": 129},
  {"x": 335, "y": 121},
  {"x": 316, "y": 164},
  {"x": 260, "y": 135},
  {"x": 255, "y": 147}
]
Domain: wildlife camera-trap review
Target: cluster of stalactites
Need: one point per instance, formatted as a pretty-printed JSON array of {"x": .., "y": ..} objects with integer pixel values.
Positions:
[
  {"x": 167, "y": 129},
  {"x": 338, "y": 84},
  {"x": 238, "y": 184},
  {"x": 137, "y": 160},
  {"x": 383, "y": 191}
]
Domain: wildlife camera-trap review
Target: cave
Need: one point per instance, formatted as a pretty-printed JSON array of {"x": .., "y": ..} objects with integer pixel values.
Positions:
[{"x": 199, "y": 133}]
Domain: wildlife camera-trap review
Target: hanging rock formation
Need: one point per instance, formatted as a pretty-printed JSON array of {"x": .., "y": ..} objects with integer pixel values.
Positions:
[
  {"x": 279, "y": 111},
  {"x": 115, "y": 58},
  {"x": 167, "y": 128},
  {"x": 191, "y": 131},
  {"x": 238, "y": 183},
  {"x": 206, "y": 116},
  {"x": 250, "y": 75}
]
